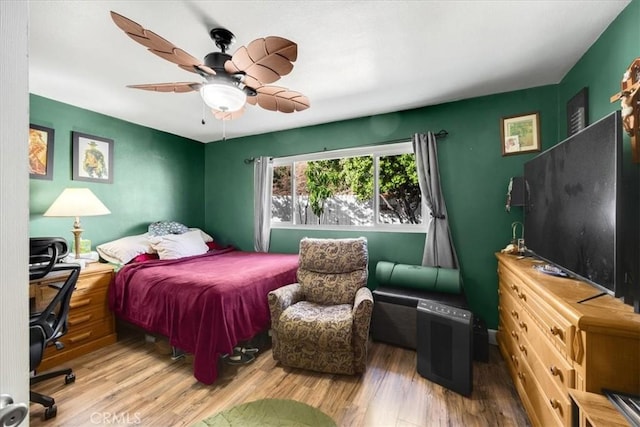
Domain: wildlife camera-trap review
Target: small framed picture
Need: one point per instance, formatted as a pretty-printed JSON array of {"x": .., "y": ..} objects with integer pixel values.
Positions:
[
  {"x": 520, "y": 134},
  {"x": 40, "y": 152},
  {"x": 92, "y": 158}
]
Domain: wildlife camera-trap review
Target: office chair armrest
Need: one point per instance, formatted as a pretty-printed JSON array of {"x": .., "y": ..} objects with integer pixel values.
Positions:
[{"x": 281, "y": 298}]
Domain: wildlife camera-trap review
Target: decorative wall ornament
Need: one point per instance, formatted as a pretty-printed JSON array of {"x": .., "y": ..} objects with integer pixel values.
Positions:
[{"x": 629, "y": 97}]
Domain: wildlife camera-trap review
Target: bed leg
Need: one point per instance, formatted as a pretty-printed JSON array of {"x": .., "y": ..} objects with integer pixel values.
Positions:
[{"x": 176, "y": 353}]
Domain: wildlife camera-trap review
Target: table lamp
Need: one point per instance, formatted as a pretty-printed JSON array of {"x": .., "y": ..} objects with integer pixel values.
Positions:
[{"x": 77, "y": 202}]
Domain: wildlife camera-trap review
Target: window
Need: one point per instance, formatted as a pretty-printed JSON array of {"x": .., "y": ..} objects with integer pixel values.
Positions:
[{"x": 371, "y": 187}]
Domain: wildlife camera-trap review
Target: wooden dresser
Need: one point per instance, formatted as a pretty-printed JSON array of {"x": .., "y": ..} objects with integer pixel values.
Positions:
[
  {"x": 91, "y": 324},
  {"x": 552, "y": 343}
]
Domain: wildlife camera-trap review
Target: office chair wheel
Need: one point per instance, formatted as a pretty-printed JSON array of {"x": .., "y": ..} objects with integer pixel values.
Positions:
[
  {"x": 70, "y": 378},
  {"x": 50, "y": 412}
]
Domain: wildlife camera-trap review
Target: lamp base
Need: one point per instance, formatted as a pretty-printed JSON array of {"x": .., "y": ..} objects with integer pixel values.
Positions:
[{"x": 77, "y": 232}]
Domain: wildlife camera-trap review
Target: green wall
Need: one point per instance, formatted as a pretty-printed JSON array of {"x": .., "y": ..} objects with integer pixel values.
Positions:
[
  {"x": 157, "y": 175},
  {"x": 474, "y": 173}
]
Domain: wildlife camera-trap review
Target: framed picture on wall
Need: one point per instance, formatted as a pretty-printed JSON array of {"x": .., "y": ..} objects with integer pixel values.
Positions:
[
  {"x": 92, "y": 158},
  {"x": 520, "y": 134},
  {"x": 40, "y": 152}
]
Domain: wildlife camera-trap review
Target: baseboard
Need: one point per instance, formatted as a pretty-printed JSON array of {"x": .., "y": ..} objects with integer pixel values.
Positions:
[{"x": 492, "y": 336}]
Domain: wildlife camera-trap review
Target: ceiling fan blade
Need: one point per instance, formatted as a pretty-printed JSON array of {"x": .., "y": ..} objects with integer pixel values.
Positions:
[
  {"x": 275, "y": 98},
  {"x": 225, "y": 115},
  {"x": 159, "y": 46},
  {"x": 264, "y": 60},
  {"x": 179, "y": 87}
]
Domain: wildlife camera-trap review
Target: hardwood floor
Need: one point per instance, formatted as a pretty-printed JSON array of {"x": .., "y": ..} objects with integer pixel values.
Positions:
[{"x": 133, "y": 382}]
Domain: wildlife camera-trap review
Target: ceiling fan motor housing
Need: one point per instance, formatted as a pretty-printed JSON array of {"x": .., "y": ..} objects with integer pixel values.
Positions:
[{"x": 216, "y": 60}]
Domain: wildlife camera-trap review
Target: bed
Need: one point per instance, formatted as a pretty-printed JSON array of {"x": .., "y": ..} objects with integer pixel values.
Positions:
[{"x": 205, "y": 304}]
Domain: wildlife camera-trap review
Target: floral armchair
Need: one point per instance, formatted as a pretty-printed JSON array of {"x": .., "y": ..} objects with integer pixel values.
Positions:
[{"x": 322, "y": 322}]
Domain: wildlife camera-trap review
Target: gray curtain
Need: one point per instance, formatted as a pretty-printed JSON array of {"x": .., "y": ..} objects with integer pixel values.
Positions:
[
  {"x": 438, "y": 246},
  {"x": 262, "y": 173}
]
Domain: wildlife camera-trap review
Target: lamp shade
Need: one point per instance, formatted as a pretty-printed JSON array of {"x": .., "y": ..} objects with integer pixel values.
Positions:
[
  {"x": 76, "y": 202},
  {"x": 223, "y": 97}
]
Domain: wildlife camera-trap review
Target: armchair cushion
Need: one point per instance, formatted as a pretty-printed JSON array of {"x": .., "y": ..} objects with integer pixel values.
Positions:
[
  {"x": 324, "y": 327},
  {"x": 332, "y": 270}
]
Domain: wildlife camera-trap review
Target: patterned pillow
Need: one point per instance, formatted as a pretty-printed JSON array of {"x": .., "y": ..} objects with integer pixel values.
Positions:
[{"x": 162, "y": 228}]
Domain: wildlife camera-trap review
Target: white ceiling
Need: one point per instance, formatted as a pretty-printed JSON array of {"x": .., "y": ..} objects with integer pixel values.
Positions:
[{"x": 355, "y": 58}]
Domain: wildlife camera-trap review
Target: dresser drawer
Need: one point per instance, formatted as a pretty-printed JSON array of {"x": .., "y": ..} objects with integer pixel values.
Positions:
[
  {"x": 549, "y": 412},
  {"x": 559, "y": 330}
]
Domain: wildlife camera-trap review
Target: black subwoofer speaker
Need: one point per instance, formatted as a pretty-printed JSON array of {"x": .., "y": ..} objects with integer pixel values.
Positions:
[{"x": 445, "y": 345}]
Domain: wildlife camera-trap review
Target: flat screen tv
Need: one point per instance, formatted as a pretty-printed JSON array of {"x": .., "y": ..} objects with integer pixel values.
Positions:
[{"x": 582, "y": 209}]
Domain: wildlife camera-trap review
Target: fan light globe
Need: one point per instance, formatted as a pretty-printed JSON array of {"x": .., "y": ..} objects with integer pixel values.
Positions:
[{"x": 223, "y": 97}]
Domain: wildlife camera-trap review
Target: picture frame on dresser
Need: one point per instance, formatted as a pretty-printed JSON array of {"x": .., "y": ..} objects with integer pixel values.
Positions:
[
  {"x": 41, "y": 143},
  {"x": 92, "y": 158}
]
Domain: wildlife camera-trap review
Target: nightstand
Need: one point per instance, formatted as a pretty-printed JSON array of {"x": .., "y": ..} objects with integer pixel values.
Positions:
[{"x": 91, "y": 324}]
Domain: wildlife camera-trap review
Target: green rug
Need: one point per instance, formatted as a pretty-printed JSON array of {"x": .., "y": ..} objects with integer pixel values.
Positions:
[{"x": 269, "y": 412}]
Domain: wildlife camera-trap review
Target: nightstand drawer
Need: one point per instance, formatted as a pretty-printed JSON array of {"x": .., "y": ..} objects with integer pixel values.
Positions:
[
  {"x": 90, "y": 323},
  {"x": 81, "y": 336}
]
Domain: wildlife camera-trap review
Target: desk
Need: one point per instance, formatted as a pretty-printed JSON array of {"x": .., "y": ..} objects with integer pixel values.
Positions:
[
  {"x": 91, "y": 324},
  {"x": 595, "y": 410}
]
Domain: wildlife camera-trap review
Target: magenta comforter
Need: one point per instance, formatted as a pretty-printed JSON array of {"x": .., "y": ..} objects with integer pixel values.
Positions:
[{"x": 204, "y": 304}]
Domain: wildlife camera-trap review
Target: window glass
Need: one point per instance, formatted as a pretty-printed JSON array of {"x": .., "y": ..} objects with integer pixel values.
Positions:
[
  {"x": 372, "y": 187},
  {"x": 281, "y": 190},
  {"x": 399, "y": 192}
]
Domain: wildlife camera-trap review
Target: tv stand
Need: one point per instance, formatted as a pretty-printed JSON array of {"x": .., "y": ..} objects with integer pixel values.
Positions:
[{"x": 556, "y": 336}]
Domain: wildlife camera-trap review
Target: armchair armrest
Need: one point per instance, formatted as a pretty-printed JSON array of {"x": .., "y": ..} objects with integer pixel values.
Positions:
[
  {"x": 362, "y": 310},
  {"x": 281, "y": 298}
]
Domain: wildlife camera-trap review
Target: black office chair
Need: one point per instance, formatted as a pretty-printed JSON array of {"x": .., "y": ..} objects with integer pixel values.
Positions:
[{"x": 46, "y": 327}]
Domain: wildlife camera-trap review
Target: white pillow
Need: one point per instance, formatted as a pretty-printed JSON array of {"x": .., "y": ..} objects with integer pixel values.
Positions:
[
  {"x": 123, "y": 250},
  {"x": 204, "y": 235},
  {"x": 173, "y": 246}
]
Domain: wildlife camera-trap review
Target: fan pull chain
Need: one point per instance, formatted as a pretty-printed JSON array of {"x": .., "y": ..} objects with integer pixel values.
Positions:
[
  {"x": 224, "y": 125},
  {"x": 203, "y": 122}
]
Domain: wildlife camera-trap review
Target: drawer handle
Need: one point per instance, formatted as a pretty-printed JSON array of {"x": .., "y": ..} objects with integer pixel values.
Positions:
[
  {"x": 80, "y": 337},
  {"x": 555, "y": 404},
  {"x": 521, "y": 376},
  {"x": 556, "y": 372},
  {"x": 74, "y": 320},
  {"x": 514, "y": 314},
  {"x": 514, "y": 288},
  {"x": 523, "y": 348},
  {"x": 523, "y": 326},
  {"x": 522, "y": 296},
  {"x": 514, "y": 359},
  {"x": 555, "y": 331},
  {"x": 80, "y": 303},
  {"x": 515, "y": 334}
]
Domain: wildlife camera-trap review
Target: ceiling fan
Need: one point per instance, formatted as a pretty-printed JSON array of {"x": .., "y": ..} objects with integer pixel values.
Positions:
[{"x": 230, "y": 81}]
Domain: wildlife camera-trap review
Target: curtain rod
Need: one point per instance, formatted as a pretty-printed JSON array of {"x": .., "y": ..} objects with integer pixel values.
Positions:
[{"x": 440, "y": 134}]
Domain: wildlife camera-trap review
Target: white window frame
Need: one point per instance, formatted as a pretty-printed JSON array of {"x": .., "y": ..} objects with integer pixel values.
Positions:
[{"x": 376, "y": 151}]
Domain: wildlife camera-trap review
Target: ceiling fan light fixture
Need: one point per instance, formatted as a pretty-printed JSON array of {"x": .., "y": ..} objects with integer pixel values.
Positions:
[{"x": 223, "y": 97}]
